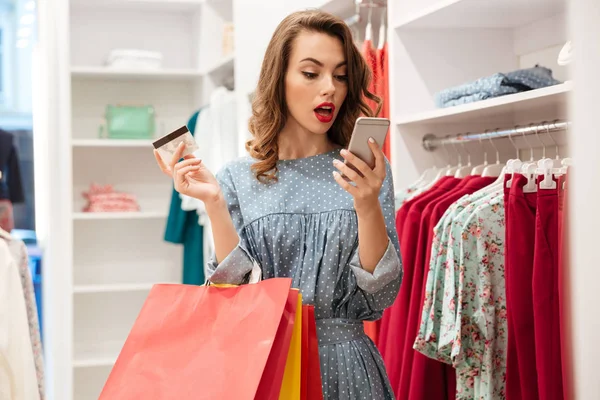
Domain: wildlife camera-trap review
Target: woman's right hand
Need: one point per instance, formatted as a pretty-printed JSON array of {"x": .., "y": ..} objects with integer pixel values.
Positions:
[{"x": 190, "y": 176}]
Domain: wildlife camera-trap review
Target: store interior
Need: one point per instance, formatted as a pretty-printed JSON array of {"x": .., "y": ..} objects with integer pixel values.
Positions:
[{"x": 101, "y": 224}]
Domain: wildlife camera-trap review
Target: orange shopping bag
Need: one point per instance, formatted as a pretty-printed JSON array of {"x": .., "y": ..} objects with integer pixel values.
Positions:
[
  {"x": 273, "y": 375},
  {"x": 200, "y": 342},
  {"x": 290, "y": 387}
]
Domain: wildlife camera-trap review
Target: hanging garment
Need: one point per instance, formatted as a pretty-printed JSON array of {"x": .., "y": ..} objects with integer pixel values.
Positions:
[
  {"x": 217, "y": 137},
  {"x": 439, "y": 304},
  {"x": 18, "y": 379},
  {"x": 394, "y": 319},
  {"x": 370, "y": 56},
  {"x": 546, "y": 306},
  {"x": 416, "y": 368},
  {"x": 382, "y": 88},
  {"x": 521, "y": 370},
  {"x": 563, "y": 290},
  {"x": 304, "y": 226},
  {"x": 11, "y": 187},
  {"x": 373, "y": 328},
  {"x": 183, "y": 228},
  {"x": 18, "y": 251},
  {"x": 479, "y": 348}
]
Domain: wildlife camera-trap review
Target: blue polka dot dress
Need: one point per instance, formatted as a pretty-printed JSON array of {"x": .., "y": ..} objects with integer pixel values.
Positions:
[{"x": 304, "y": 226}]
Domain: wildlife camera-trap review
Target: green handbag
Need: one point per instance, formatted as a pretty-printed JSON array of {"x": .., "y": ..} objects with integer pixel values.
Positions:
[{"x": 129, "y": 122}]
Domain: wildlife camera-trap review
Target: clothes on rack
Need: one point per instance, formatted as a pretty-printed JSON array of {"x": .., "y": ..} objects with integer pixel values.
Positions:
[
  {"x": 377, "y": 61},
  {"x": 479, "y": 311},
  {"x": 182, "y": 227},
  {"x": 21, "y": 366},
  {"x": 11, "y": 187},
  {"x": 382, "y": 88},
  {"x": 215, "y": 129},
  {"x": 217, "y": 136},
  {"x": 496, "y": 85}
]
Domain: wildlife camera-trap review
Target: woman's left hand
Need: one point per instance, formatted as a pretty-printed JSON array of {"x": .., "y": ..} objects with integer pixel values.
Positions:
[{"x": 367, "y": 181}]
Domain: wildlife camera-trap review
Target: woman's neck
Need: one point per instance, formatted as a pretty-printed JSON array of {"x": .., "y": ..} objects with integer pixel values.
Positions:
[{"x": 295, "y": 142}]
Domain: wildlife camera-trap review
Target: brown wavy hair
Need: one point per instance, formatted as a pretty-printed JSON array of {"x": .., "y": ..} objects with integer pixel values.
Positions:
[{"x": 269, "y": 109}]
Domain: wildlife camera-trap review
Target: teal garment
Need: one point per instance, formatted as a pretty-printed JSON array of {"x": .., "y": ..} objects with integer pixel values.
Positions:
[{"x": 183, "y": 228}]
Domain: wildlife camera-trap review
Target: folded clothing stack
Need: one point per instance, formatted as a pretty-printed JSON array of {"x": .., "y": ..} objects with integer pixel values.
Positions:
[
  {"x": 496, "y": 85},
  {"x": 105, "y": 199},
  {"x": 134, "y": 59}
]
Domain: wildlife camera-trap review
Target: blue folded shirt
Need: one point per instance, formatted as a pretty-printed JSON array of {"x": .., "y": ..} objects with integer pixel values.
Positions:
[{"x": 496, "y": 85}]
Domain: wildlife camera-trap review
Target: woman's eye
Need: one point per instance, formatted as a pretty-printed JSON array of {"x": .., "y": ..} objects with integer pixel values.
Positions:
[
  {"x": 309, "y": 75},
  {"x": 342, "y": 78}
]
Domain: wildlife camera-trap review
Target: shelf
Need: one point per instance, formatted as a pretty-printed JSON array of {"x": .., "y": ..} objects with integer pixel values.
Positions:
[
  {"x": 91, "y": 216},
  {"x": 116, "y": 143},
  {"x": 550, "y": 97},
  {"x": 222, "y": 68},
  {"x": 490, "y": 14},
  {"x": 146, "y": 5},
  {"x": 100, "y": 354},
  {"x": 112, "y": 288},
  {"x": 141, "y": 74},
  {"x": 95, "y": 362}
]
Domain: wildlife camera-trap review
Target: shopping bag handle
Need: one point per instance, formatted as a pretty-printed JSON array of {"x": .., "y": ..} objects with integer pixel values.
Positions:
[{"x": 254, "y": 277}]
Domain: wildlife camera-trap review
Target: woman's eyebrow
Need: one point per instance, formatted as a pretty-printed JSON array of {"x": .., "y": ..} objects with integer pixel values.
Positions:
[{"x": 320, "y": 64}]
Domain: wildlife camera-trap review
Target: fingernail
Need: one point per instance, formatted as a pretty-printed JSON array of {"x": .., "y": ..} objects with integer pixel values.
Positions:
[
  {"x": 371, "y": 140},
  {"x": 344, "y": 152},
  {"x": 336, "y": 162},
  {"x": 335, "y": 173}
]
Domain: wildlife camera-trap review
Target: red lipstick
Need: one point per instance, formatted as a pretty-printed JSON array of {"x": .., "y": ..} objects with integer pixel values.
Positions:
[{"x": 324, "y": 112}]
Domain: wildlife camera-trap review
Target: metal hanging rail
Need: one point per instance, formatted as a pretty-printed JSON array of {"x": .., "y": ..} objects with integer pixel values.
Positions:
[
  {"x": 431, "y": 141},
  {"x": 371, "y": 3}
]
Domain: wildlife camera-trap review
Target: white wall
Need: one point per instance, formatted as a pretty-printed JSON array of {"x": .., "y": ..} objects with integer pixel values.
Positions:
[{"x": 585, "y": 214}]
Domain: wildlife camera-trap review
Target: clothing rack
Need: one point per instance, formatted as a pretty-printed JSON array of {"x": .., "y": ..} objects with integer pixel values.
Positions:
[
  {"x": 432, "y": 142},
  {"x": 371, "y": 3},
  {"x": 355, "y": 19}
]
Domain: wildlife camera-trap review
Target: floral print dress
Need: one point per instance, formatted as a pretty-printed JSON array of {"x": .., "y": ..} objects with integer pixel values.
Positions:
[{"x": 463, "y": 322}]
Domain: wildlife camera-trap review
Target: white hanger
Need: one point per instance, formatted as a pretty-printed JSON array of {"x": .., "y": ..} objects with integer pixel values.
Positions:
[
  {"x": 452, "y": 169},
  {"x": 369, "y": 27},
  {"x": 547, "y": 170},
  {"x": 382, "y": 29},
  {"x": 496, "y": 169},
  {"x": 557, "y": 159},
  {"x": 463, "y": 172},
  {"x": 566, "y": 163},
  {"x": 566, "y": 54},
  {"x": 513, "y": 166},
  {"x": 529, "y": 171},
  {"x": 478, "y": 169}
]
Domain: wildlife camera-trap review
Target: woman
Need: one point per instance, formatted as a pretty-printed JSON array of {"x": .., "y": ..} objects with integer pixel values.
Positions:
[{"x": 288, "y": 208}]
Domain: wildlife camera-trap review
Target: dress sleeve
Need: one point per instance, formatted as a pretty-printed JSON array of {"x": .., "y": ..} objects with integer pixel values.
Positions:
[
  {"x": 381, "y": 287},
  {"x": 236, "y": 267}
]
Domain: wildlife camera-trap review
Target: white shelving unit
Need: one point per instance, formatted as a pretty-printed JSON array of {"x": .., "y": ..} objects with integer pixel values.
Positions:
[
  {"x": 433, "y": 44},
  {"x": 109, "y": 261},
  {"x": 437, "y": 44},
  {"x": 103, "y": 73}
]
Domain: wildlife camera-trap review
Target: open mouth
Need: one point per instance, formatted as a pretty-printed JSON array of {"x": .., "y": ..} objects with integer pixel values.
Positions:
[{"x": 324, "y": 112}]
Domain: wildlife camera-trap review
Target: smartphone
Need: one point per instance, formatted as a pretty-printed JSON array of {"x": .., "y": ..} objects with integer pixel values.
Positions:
[{"x": 367, "y": 127}]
